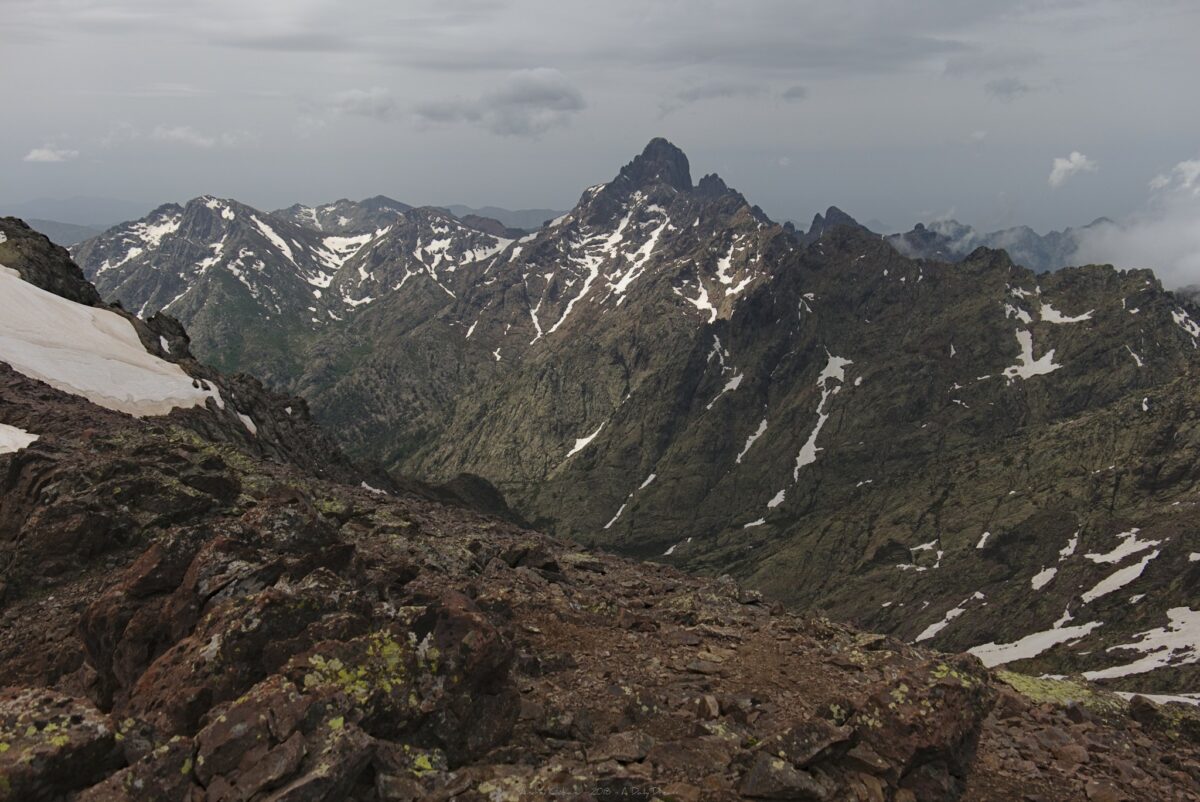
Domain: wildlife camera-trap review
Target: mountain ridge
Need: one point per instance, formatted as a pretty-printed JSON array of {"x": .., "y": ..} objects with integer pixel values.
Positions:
[{"x": 666, "y": 372}]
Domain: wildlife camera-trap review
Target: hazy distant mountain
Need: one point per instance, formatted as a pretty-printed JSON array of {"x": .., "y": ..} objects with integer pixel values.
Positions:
[
  {"x": 527, "y": 219},
  {"x": 81, "y": 211},
  {"x": 949, "y": 240},
  {"x": 65, "y": 234}
]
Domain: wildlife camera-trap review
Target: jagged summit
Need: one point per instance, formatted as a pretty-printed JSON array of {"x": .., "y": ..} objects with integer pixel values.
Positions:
[
  {"x": 833, "y": 218},
  {"x": 660, "y": 162},
  {"x": 836, "y": 217}
]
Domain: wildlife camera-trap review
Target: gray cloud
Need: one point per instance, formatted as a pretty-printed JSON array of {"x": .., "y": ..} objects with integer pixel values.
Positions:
[
  {"x": 123, "y": 133},
  {"x": 977, "y": 62},
  {"x": 296, "y": 42},
  {"x": 528, "y": 103},
  {"x": 1008, "y": 88},
  {"x": 794, "y": 93},
  {"x": 709, "y": 91},
  {"x": 377, "y": 103}
]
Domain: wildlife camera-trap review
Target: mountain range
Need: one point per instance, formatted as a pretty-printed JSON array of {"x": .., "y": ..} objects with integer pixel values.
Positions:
[
  {"x": 969, "y": 454},
  {"x": 203, "y": 598},
  {"x": 951, "y": 241}
]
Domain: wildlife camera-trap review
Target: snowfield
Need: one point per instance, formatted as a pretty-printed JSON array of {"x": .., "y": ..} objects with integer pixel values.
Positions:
[{"x": 88, "y": 352}]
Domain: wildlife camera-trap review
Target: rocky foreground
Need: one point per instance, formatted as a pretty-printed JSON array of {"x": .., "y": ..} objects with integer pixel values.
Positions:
[{"x": 256, "y": 633}]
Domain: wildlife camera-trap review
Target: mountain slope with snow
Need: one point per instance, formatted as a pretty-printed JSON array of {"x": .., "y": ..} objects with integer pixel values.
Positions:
[
  {"x": 666, "y": 372},
  {"x": 255, "y": 289}
]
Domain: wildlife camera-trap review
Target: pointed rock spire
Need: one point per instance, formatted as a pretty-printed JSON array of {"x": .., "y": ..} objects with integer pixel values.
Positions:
[{"x": 660, "y": 162}]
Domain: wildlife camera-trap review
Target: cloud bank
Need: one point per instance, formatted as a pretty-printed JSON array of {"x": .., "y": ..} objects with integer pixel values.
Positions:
[
  {"x": 1164, "y": 237},
  {"x": 528, "y": 103}
]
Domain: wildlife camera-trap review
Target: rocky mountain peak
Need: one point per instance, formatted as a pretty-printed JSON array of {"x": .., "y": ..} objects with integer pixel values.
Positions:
[
  {"x": 384, "y": 203},
  {"x": 836, "y": 217},
  {"x": 712, "y": 186},
  {"x": 660, "y": 162},
  {"x": 42, "y": 263},
  {"x": 832, "y": 218}
]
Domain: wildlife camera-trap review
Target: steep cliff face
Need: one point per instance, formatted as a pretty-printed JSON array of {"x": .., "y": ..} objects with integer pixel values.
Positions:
[{"x": 198, "y": 607}]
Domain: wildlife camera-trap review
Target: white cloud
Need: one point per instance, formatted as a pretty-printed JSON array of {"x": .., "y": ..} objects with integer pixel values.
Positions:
[
  {"x": 1065, "y": 168},
  {"x": 190, "y": 137},
  {"x": 48, "y": 153},
  {"x": 1183, "y": 177},
  {"x": 1165, "y": 236}
]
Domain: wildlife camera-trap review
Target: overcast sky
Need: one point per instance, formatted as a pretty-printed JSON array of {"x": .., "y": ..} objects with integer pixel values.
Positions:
[{"x": 1049, "y": 113}]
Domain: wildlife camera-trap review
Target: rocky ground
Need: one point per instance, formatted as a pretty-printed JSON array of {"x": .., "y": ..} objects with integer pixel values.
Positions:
[{"x": 183, "y": 621}]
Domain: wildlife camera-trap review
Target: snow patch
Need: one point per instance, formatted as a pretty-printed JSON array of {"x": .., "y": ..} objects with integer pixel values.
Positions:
[
  {"x": 729, "y": 387},
  {"x": 88, "y": 352},
  {"x": 762, "y": 428},
  {"x": 1028, "y": 367},
  {"x": 1069, "y": 549},
  {"x": 273, "y": 238},
  {"x": 1185, "y": 322},
  {"x": 1043, "y": 577},
  {"x": 583, "y": 442},
  {"x": 1019, "y": 313},
  {"x": 1129, "y": 545},
  {"x": 997, "y": 654},
  {"x": 615, "y": 517},
  {"x": 13, "y": 439},
  {"x": 950, "y": 615},
  {"x": 1118, "y": 579},
  {"x": 1178, "y": 643},
  {"x": 1051, "y": 315},
  {"x": 835, "y": 369}
]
